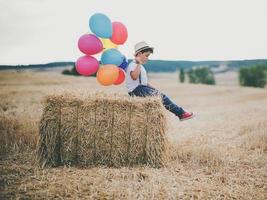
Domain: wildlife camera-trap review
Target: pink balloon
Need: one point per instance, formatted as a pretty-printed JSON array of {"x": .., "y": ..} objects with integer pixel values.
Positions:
[
  {"x": 119, "y": 33},
  {"x": 90, "y": 44},
  {"x": 87, "y": 65}
]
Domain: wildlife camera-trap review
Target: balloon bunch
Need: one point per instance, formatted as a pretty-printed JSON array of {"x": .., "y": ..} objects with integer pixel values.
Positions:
[{"x": 105, "y": 38}]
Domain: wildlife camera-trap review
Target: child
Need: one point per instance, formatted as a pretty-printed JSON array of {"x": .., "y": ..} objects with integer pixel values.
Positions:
[{"x": 137, "y": 83}]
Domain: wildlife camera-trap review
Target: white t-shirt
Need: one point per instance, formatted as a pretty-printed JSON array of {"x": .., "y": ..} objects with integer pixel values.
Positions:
[{"x": 132, "y": 84}]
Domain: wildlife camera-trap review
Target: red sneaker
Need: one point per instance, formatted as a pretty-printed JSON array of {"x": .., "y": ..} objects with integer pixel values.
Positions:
[{"x": 186, "y": 116}]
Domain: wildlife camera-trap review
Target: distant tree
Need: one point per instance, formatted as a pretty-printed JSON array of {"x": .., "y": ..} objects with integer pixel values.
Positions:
[
  {"x": 254, "y": 76},
  {"x": 201, "y": 75},
  {"x": 181, "y": 75},
  {"x": 66, "y": 72},
  {"x": 192, "y": 76},
  {"x": 73, "y": 71}
]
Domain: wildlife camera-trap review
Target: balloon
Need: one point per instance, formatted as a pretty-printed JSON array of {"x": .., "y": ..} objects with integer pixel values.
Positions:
[
  {"x": 107, "y": 74},
  {"x": 107, "y": 44},
  {"x": 119, "y": 34},
  {"x": 120, "y": 78},
  {"x": 100, "y": 25},
  {"x": 87, "y": 65},
  {"x": 90, "y": 44},
  {"x": 124, "y": 63},
  {"x": 112, "y": 56}
]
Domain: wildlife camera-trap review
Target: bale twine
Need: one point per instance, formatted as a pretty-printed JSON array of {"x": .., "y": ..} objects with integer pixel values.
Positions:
[{"x": 102, "y": 129}]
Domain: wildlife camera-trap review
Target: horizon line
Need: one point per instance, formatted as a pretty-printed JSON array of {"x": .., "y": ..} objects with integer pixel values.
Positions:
[{"x": 212, "y": 60}]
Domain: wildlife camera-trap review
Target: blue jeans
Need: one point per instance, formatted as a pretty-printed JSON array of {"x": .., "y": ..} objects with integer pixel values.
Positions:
[{"x": 143, "y": 91}]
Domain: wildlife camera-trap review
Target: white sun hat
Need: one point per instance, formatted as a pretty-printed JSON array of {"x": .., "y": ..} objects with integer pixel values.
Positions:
[{"x": 141, "y": 46}]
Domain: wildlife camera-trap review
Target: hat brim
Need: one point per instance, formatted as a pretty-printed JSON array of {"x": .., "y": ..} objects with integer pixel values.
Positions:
[{"x": 143, "y": 48}]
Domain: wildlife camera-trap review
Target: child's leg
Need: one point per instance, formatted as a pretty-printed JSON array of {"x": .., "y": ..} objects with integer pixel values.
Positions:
[
  {"x": 169, "y": 105},
  {"x": 144, "y": 91}
]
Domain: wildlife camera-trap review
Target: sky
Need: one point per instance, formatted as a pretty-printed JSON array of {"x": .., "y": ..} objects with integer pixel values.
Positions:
[{"x": 42, "y": 31}]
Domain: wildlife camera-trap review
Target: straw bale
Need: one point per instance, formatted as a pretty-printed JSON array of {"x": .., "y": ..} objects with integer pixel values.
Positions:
[{"x": 102, "y": 129}]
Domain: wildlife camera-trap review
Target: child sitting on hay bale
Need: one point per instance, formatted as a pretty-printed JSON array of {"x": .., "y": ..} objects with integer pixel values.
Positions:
[{"x": 137, "y": 81}]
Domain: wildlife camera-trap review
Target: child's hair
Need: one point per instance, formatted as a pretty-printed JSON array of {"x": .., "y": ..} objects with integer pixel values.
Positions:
[{"x": 146, "y": 50}]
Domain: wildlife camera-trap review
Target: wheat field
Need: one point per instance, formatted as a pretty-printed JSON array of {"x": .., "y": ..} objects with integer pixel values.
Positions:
[{"x": 220, "y": 154}]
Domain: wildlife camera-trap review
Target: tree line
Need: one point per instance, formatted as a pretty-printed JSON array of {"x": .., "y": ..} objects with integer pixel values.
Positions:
[
  {"x": 252, "y": 76},
  {"x": 202, "y": 75}
]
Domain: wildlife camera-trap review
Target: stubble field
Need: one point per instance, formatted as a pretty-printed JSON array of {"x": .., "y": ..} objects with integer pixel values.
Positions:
[{"x": 220, "y": 154}]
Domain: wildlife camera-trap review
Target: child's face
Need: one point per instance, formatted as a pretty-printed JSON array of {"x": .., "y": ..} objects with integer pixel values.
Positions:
[{"x": 144, "y": 56}]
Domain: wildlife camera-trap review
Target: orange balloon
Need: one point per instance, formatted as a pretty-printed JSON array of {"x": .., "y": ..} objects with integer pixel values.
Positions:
[
  {"x": 107, "y": 74},
  {"x": 120, "y": 78}
]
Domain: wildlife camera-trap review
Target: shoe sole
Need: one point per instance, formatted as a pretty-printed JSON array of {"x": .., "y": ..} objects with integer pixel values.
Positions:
[{"x": 187, "y": 118}]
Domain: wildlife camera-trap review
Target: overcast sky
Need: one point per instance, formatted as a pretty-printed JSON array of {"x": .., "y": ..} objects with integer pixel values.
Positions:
[{"x": 41, "y": 31}]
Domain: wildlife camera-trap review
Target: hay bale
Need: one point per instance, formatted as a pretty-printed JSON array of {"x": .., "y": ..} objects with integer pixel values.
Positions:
[{"x": 102, "y": 129}]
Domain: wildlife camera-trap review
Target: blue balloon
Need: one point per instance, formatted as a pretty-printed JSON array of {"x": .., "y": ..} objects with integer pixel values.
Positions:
[
  {"x": 124, "y": 63},
  {"x": 101, "y": 25},
  {"x": 112, "y": 56}
]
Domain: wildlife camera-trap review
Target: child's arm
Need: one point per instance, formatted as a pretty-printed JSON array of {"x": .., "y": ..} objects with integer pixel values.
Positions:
[{"x": 135, "y": 73}]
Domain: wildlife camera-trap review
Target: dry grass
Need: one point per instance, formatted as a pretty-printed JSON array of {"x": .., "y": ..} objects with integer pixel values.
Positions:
[
  {"x": 221, "y": 154},
  {"x": 255, "y": 136},
  {"x": 17, "y": 135},
  {"x": 202, "y": 155}
]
